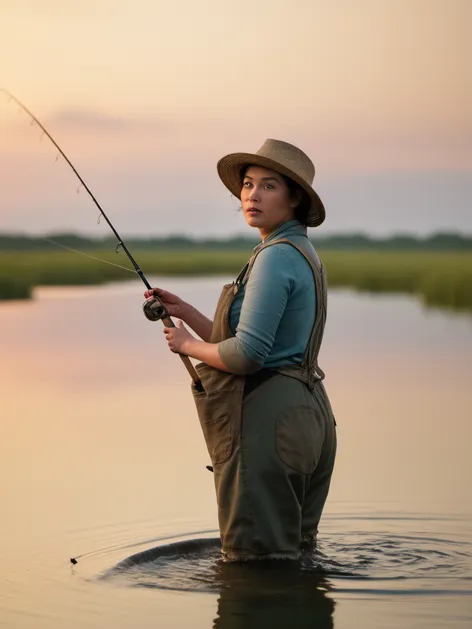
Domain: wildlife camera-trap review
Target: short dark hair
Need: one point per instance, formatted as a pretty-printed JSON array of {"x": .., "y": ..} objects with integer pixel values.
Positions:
[
  {"x": 294, "y": 190},
  {"x": 304, "y": 203}
]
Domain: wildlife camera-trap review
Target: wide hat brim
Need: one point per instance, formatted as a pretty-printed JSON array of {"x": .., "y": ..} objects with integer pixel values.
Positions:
[{"x": 229, "y": 169}]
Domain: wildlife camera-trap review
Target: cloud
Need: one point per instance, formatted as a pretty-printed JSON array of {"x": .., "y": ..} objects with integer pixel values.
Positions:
[{"x": 87, "y": 120}]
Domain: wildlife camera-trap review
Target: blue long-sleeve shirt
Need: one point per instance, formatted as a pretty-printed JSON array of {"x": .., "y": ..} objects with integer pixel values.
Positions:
[{"x": 273, "y": 313}]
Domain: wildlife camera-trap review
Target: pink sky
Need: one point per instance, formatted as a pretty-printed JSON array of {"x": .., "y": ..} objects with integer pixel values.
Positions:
[{"x": 145, "y": 97}]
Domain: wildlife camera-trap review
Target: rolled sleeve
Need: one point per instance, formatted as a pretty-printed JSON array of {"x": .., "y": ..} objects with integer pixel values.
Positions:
[
  {"x": 266, "y": 294},
  {"x": 238, "y": 357}
]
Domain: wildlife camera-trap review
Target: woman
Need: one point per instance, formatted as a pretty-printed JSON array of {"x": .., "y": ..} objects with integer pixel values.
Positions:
[{"x": 265, "y": 415}]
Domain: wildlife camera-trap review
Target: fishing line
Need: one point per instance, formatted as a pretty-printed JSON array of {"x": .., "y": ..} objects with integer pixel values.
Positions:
[
  {"x": 153, "y": 308},
  {"x": 108, "y": 549},
  {"x": 87, "y": 255}
]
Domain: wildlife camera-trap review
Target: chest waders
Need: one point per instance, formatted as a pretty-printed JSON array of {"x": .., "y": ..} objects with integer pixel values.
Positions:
[{"x": 272, "y": 440}]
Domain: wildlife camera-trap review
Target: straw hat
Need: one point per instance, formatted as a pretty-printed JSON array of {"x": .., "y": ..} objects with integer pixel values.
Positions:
[{"x": 285, "y": 159}]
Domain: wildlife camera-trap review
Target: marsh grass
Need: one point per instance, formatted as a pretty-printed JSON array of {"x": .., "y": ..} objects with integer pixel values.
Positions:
[
  {"x": 15, "y": 288},
  {"x": 440, "y": 279}
]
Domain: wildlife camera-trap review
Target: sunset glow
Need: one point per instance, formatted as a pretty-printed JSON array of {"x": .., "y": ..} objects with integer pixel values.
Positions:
[{"x": 146, "y": 96}]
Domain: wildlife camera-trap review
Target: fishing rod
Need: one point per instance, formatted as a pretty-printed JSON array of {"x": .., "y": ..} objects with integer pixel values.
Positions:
[{"x": 153, "y": 308}]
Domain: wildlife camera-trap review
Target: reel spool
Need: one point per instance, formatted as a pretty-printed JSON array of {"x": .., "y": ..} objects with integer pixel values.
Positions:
[{"x": 154, "y": 310}]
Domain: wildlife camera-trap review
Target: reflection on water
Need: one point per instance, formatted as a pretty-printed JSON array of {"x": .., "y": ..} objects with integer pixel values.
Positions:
[
  {"x": 299, "y": 594},
  {"x": 101, "y": 455},
  {"x": 256, "y": 594},
  {"x": 261, "y": 596}
]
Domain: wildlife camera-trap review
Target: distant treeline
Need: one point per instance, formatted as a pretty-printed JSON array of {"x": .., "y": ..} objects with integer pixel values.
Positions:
[{"x": 348, "y": 242}]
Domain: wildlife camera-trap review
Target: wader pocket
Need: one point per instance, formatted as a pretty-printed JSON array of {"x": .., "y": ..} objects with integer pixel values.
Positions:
[
  {"x": 219, "y": 409},
  {"x": 299, "y": 438}
]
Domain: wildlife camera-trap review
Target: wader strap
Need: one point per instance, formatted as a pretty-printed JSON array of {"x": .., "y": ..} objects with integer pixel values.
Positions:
[
  {"x": 310, "y": 367},
  {"x": 243, "y": 272},
  {"x": 308, "y": 371}
]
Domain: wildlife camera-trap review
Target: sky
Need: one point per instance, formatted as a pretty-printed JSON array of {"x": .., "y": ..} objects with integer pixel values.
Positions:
[{"x": 145, "y": 96}]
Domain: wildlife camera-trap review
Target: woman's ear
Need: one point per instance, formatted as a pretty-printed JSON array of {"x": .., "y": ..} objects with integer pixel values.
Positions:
[{"x": 296, "y": 199}]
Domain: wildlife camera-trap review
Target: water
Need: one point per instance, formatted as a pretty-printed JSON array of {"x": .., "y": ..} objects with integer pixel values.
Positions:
[{"x": 102, "y": 459}]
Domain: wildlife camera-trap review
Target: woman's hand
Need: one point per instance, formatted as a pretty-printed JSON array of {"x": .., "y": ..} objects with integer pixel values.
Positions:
[
  {"x": 179, "y": 339},
  {"x": 172, "y": 303}
]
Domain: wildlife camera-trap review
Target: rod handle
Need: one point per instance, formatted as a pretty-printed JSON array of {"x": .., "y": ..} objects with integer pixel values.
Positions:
[{"x": 186, "y": 360}]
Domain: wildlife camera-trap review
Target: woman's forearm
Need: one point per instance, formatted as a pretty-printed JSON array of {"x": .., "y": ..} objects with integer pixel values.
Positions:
[
  {"x": 205, "y": 352},
  {"x": 200, "y": 324}
]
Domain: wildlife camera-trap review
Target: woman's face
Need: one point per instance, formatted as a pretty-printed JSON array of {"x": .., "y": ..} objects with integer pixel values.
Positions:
[{"x": 265, "y": 200}]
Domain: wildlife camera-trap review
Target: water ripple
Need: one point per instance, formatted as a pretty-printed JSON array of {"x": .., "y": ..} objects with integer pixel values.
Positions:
[{"x": 411, "y": 564}]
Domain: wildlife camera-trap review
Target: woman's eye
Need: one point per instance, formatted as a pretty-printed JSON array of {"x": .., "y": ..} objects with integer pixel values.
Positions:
[
  {"x": 269, "y": 186},
  {"x": 246, "y": 184}
]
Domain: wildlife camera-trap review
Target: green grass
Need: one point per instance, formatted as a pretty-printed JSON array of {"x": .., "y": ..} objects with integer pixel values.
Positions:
[
  {"x": 15, "y": 288},
  {"x": 439, "y": 279}
]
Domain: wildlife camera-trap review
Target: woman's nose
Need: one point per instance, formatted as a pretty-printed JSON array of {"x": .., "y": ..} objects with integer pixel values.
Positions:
[{"x": 254, "y": 195}]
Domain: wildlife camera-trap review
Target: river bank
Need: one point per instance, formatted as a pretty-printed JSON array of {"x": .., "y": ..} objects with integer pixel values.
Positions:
[{"x": 438, "y": 279}]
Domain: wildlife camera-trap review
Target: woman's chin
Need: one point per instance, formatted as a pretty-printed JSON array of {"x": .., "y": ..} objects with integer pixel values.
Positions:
[{"x": 254, "y": 220}]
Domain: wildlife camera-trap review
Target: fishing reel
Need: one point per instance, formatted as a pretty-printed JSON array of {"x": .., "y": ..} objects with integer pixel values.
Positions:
[{"x": 154, "y": 310}]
